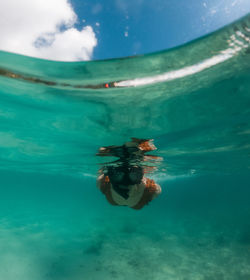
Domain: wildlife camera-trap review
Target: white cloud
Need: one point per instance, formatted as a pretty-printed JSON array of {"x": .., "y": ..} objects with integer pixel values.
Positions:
[{"x": 44, "y": 29}]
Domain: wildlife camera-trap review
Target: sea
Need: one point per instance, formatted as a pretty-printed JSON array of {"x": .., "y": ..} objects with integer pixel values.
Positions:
[{"x": 193, "y": 100}]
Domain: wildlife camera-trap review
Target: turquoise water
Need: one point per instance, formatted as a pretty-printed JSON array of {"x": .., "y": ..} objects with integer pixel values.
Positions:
[{"x": 193, "y": 101}]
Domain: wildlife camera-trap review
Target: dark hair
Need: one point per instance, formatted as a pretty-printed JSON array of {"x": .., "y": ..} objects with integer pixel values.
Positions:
[{"x": 125, "y": 175}]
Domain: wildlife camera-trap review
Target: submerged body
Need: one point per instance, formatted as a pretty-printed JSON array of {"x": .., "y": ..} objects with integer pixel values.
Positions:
[
  {"x": 125, "y": 184},
  {"x": 138, "y": 196}
]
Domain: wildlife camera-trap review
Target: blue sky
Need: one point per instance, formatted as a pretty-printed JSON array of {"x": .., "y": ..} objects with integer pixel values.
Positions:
[
  {"x": 129, "y": 27},
  {"x": 73, "y": 30}
]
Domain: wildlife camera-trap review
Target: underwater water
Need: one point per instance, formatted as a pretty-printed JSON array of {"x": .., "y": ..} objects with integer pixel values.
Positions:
[{"x": 194, "y": 101}]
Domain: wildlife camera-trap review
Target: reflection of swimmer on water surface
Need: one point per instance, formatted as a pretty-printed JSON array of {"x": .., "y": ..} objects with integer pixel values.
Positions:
[
  {"x": 132, "y": 149},
  {"x": 125, "y": 184}
]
